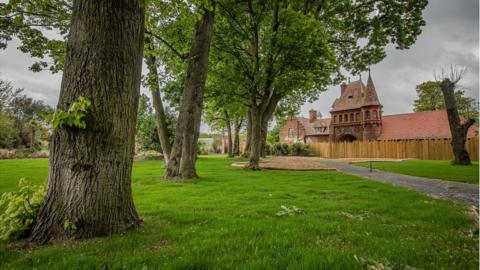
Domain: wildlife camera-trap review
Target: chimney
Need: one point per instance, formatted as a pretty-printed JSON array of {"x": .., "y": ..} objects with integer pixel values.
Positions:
[
  {"x": 343, "y": 86},
  {"x": 313, "y": 115}
]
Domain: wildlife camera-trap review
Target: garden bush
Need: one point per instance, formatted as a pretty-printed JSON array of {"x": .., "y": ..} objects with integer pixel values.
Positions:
[
  {"x": 21, "y": 208},
  {"x": 300, "y": 149},
  {"x": 280, "y": 149}
]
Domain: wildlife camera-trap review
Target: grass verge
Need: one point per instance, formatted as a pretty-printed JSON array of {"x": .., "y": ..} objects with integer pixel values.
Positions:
[{"x": 233, "y": 219}]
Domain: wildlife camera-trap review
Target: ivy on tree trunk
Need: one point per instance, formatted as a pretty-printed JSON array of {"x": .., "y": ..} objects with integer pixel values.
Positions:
[{"x": 89, "y": 179}]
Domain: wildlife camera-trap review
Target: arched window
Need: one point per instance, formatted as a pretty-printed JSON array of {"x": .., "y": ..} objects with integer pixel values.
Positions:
[
  {"x": 346, "y": 117},
  {"x": 290, "y": 133}
]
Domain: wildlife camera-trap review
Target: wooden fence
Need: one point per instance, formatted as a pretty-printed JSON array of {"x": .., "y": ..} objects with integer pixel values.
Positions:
[{"x": 439, "y": 149}]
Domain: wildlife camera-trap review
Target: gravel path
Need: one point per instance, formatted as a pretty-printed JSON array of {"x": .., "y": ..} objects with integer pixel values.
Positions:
[{"x": 456, "y": 191}]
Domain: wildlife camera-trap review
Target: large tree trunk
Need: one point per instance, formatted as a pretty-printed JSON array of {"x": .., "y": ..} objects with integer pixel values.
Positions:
[
  {"x": 89, "y": 179},
  {"x": 255, "y": 140},
  {"x": 459, "y": 131},
  {"x": 229, "y": 134},
  {"x": 236, "y": 136},
  {"x": 160, "y": 118},
  {"x": 181, "y": 164}
]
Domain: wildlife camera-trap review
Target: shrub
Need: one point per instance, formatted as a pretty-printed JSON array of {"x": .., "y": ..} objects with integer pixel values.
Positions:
[
  {"x": 268, "y": 149},
  {"x": 21, "y": 208},
  {"x": 280, "y": 149},
  {"x": 202, "y": 148},
  {"x": 300, "y": 149}
]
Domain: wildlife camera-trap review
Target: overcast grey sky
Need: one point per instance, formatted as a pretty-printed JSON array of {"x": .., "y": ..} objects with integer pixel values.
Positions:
[{"x": 450, "y": 37}]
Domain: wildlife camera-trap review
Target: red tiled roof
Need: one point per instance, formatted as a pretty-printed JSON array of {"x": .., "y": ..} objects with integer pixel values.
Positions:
[
  {"x": 309, "y": 127},
  {"x": 350, "y": 98},
  {"x": 420, "y": 125}
]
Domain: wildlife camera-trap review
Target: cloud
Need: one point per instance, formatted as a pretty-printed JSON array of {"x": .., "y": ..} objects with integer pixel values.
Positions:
[{"x": 450, "y": 37}]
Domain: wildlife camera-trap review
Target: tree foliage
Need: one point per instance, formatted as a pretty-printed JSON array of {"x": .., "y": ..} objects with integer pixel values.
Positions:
[
  {"x": 146, "y": 136},
  {"x": 22, "y": 118},
  {"x": 430, "y": 98}
]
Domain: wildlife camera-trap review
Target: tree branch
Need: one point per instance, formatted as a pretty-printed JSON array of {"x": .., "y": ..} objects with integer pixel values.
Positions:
[{"x": 182, "y": 56}]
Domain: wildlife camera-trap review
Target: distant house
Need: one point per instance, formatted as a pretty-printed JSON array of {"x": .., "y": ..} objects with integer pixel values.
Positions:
[{"x": 357, "y": 115}]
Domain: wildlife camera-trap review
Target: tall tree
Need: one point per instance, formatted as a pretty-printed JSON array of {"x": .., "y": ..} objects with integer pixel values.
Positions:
[
  {"x": 458, "y": 129},
  {"x": 430, "y": 98},
  {"x": 154, "y": 86},
  {"x": 181, "y": 164},
  {"x": 89, "y": 182},
  {"x": 296, "y": 48}
]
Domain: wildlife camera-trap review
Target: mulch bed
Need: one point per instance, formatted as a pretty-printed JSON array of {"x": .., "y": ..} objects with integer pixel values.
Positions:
[{"x": 291, "y": 164}]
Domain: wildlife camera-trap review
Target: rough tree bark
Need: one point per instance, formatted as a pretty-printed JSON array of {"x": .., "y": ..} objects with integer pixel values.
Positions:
[
  {"x": 89, "y": 178},
  {"x": 459, "y": 131},
  {"x": 181, "y": 164},
  {"x": 236, "y": 136},
  {"x": 229, "y": 134},
  {"x": 153, "y": 84}
]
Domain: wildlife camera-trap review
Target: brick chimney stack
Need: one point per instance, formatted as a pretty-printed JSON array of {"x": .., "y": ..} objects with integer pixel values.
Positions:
[
  {"x": 313, "y": 115},
  {"x": 343, "y": 86}
]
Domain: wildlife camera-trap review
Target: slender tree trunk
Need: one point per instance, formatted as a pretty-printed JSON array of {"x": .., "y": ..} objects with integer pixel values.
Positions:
[
  {"x": 181, "y": 164},
  {"x": 459, "y": 131},
  {"x": 153, "y": 84},
  {"x": 89, "y": 179},
  {"x": 248, "y": 139},
  {"x": 236, "y": 136},
  {"x": 264, "y": 132},
  {"x": 229, "y": 134}
]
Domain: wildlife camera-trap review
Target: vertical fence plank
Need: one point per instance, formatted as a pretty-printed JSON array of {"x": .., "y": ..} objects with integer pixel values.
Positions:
[{"x": 437, "y": 149}]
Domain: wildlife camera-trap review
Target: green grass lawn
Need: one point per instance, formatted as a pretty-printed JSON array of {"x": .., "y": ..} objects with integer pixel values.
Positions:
[
  {"x": 227, "y": 220},
  {"x": 437, "y": 169}
]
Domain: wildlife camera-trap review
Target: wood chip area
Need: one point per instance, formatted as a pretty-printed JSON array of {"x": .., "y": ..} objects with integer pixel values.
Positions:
[{"x": 291, "y": 164}]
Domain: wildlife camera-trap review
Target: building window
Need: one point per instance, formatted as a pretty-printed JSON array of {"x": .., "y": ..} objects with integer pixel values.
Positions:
[
  {"x": 334, "y": 119},
  {"x": 340, "y": 118},
  {"x": 357, "y": 116},
  {"x": 367, "y": 115},
  {"x": 346, "y": 117},
  {"x": 351, "y": 117},
  {"x": 375, "y": 114},
  {"x": 290, "y": 133}
]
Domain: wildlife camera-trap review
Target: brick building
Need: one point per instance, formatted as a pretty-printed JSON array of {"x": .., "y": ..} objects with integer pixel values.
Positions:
[{"x": 357, "y": 115}]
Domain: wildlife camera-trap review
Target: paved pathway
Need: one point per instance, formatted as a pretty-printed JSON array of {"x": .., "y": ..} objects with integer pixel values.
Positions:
[{"x": 456, "y": 191}]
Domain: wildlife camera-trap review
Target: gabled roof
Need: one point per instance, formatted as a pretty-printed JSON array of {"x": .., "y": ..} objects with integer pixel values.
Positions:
[
  {"x": 309, "y": 127},
  {"x": 350, "y": 98},
  {"x": 356, "y": 95},
  {"x": 419, "y": 125}
]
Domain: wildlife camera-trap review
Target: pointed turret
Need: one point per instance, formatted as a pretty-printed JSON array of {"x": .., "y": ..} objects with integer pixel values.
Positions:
[{"x": 370, "y": 97}]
